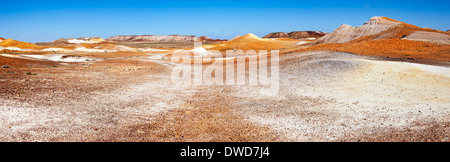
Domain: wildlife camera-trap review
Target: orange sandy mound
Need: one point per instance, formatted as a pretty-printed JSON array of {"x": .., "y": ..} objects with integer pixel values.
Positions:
[
  {"x": 2, "y": 38},
  {"x": 286, "y": 39},
  {"x": 14, "y": 43},
  {"x": 102, "y": 45},
  {"x": 252, "y": 42}
]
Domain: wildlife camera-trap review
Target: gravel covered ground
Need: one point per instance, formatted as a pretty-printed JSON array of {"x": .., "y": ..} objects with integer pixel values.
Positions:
[
  {"x": 343, "y": 97},
  {"x": 322, "y": 97}
]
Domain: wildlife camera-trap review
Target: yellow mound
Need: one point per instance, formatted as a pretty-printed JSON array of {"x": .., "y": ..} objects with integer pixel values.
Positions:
[
  {"x": 14, "y": 43},
  {"x": 286, "y": 39},
  {"x": 390, "y": 43},
  {"x": 253, "y": 42},
  {"x": 393, "y": 48}
]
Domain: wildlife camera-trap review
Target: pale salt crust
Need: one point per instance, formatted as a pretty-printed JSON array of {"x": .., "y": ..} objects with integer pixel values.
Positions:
[
  {"x": 12, "y": 56},
  {"x": 59, "y": 58},
  {"x": 150, "y": 50}
]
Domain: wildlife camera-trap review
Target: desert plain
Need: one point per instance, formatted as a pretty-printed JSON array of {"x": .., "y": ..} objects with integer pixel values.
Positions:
[{"x": 384, "y": 81}]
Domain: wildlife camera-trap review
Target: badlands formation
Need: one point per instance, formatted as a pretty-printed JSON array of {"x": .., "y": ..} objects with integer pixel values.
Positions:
[
  {"x": 308, "y": 35},
  {"x": 385, "y": 37},
  {"x": 385, "y": 80},
  {"x": 80, "y": 40},
  {"x": 251, "y": 41},
  {"x": 384, "y": 28}
]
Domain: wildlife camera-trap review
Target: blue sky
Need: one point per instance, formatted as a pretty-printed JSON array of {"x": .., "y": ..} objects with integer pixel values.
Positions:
[{"x": 38, "y": 21}]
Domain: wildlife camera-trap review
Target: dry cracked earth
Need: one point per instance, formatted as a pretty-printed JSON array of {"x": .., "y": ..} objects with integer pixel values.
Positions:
[{"x": 322, "y": 96}]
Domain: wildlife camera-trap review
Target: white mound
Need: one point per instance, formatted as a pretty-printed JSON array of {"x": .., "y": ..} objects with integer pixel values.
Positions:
[
  {"x": 86, "y": 40},
  {"x": 55, "y": 49},
  {"x": 16, "y": 49}
]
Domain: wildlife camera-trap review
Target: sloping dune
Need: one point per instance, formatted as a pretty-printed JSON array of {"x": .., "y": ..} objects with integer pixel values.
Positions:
[{"x": 253, "y": 42}]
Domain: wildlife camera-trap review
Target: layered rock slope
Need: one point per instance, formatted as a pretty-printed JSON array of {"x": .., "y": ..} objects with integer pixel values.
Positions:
[
  {"x": 383, "y": 28},
  {"x": 346, "y": 33}
]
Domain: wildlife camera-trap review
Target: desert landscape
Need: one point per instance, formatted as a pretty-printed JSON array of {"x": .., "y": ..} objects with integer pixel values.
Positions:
[{"x": 384, "y": 81}]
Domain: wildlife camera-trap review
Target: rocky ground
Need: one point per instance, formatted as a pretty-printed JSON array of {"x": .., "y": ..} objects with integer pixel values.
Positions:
[{"x": 322, "y": 96}]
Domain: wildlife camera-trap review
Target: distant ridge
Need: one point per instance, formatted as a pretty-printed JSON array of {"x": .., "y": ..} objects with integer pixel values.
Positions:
[
  {"x": 19, "y": 44},
  {"x": 159, "y": 38},
  {"x": 296, "y": 34}
]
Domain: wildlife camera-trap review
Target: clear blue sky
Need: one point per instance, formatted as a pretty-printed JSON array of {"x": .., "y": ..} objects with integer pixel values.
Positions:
[{"x": 40, "y": 20}]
